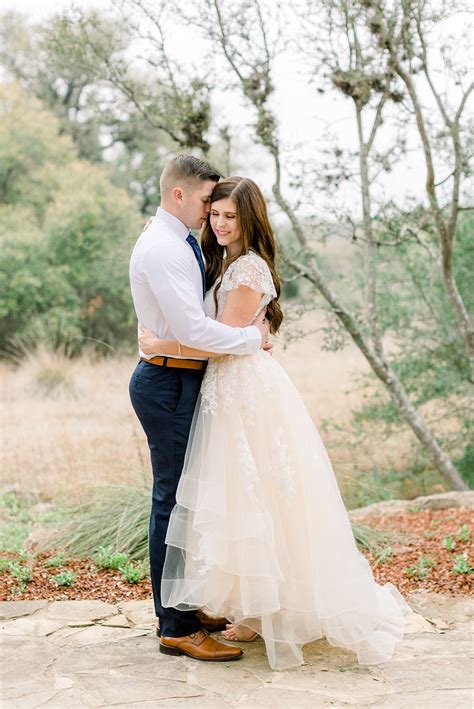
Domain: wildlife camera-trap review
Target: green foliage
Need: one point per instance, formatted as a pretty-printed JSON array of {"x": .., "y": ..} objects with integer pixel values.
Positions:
[
  {"x": 426, "y": 349},
  {"x": 106, "y": 559},
  {"x": 54, "y": 562},
  {"x": 364, "y": 487},
  {"x": 134, "y": 573},
  {"x": 464, "y": 534},
  {"x": 64, "y": 578},
  {"x": 449, "y": 543},
  {"x": 78, "y": 65},
  {"x": 20, "y": 573},
  {"x": 67, "y": 235},
  {"x": 16, "y": 521},
  {"x": 421, "y": 569},
  {"x": 465, "y": 463},
  {"x": 462, "y": 564}
]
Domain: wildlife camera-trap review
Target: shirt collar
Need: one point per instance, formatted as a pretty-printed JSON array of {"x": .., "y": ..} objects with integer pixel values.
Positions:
[{"x": 173, "y": 222}]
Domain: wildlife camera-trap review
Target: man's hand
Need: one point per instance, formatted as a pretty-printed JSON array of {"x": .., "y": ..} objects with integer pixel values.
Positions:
[{"x": 149, "y": 343}]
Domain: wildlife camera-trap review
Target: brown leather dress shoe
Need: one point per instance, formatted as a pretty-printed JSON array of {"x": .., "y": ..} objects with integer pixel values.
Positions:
[
  {"x": 209, "y": 623},
  {"x": 200, "y": 646}
]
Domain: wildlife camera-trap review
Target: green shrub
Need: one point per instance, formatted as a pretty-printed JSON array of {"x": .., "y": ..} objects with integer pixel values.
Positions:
[
  {"x": 67, "y": 233},
  {"x": 55, "y": 562},
  {"x": 134, "y": 573},
  {"x": 64, "y": 578},
  {"x": 462, "y": 564},
  {"x": 421, "y": 569},
  {"x": 106, "y": 559}
]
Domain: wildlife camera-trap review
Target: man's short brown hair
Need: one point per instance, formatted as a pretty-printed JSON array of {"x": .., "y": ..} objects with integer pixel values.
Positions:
[{"x": 186, "y": 169}]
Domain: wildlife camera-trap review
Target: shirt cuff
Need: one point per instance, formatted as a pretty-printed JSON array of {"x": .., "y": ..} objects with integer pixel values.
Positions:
[{"x": 254, "y": 339}]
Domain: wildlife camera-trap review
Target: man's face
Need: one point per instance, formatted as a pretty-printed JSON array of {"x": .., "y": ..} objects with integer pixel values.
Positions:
[{"x": 196, "y": 204}]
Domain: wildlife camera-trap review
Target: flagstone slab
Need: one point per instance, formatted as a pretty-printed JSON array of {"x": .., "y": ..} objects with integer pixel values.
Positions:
[
  {"x": 25, "y": 662},
  {"x": 94, "y": 635},
  {"x": 117, "y": 621},
  {"x": 83, "y": 611},
  {"x": 140, "y": 613},
  {"x": 15, "y": 609}
]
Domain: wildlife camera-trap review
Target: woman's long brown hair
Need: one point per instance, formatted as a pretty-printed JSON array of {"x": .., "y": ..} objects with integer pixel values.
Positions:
[{"x": 257, "y": 235}]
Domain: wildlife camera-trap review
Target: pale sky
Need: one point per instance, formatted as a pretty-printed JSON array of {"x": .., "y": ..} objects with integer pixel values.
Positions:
[{"x": 301, "y": 111}]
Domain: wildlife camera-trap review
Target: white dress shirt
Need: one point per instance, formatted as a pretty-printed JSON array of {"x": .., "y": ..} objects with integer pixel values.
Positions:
[{"x": 166, "y": 286}]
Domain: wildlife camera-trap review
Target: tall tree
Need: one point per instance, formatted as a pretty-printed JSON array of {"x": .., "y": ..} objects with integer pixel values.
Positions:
[{"x": 242, "y": 36}]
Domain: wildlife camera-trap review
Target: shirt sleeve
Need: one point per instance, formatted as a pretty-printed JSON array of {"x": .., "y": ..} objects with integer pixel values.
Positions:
[{"x": 171, "y": 280}]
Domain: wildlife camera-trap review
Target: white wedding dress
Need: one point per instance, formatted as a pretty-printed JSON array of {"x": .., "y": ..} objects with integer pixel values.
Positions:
[{"x": 260, "y": 533}]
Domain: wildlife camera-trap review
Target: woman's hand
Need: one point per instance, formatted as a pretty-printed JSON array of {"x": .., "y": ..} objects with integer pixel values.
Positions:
[
  {"x": 262, "y": 319},
  {"x": 148, "y": 341}
]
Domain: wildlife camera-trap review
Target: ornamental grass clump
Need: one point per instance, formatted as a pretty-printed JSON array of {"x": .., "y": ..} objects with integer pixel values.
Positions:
[{"x": 113, "y": 519}]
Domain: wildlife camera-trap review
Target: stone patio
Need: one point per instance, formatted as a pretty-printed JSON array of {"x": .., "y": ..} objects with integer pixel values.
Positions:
[{"x": 93, "y": 654}]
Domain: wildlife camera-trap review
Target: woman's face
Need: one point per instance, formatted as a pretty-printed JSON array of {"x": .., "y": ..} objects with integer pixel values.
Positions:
[{"x": 225, "y": 225}]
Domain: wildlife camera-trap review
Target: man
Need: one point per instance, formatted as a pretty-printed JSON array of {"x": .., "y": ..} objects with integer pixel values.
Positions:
[{"x": 168, "y": 286}]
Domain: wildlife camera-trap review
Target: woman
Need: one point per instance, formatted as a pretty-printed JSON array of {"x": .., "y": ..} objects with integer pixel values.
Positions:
[{"x": 259, "y": 533}]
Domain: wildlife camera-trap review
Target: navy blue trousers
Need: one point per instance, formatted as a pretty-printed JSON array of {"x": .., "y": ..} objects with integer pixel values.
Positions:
[{"x": 164, "y": 399}]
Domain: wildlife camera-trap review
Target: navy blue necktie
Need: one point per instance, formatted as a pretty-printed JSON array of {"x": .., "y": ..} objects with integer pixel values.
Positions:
[{"x": 192, "y": 241}]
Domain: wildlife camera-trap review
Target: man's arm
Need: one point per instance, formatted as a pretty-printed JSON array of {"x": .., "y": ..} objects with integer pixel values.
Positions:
[{"x": 171, "y": 280}]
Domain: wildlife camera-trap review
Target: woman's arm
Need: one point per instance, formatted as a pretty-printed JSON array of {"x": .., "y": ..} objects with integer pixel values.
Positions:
[{"x": 150, "y": 343}]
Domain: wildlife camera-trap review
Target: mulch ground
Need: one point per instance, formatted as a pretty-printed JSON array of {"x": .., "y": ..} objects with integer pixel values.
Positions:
[{"x": 424, "y": 532}]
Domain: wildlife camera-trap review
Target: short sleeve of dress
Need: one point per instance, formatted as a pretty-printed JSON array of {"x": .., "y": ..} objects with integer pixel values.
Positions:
[{"x": 252, "y": 271}]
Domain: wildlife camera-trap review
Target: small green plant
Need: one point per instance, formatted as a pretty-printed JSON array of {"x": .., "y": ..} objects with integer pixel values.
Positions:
[
  {"x": 21, "y": 573},
  {"x": 64, "y": 578},
  {"x": 449, "y": 543},
  {"x": 4, "y": 566},
  {"x": 421, "y": 569},
  {"x": 55, "y": 562},
  {"x": 133, "y": 573},
  {"x": 464, "y": 534},
  {"x": 414, "y": 508},
  {"x": 461, "y": 564},
  {"x": 106, "y": 559}
]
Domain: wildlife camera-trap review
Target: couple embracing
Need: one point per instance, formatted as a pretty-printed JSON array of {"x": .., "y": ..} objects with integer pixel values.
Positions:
[{"x": 248, "y": 532}]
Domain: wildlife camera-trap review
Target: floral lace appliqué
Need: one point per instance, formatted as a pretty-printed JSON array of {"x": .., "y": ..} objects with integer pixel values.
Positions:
[{"x": 249, "y": 270}]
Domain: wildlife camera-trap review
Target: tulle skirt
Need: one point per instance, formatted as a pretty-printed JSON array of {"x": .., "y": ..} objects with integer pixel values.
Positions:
[{"x": 260, "y": 533}]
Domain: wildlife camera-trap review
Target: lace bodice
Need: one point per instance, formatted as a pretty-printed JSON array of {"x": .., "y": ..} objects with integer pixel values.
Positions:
[{"x": 248, "y": 270}]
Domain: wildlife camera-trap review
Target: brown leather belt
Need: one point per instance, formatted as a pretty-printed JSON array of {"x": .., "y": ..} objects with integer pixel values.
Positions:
[{"x": 179, "y": 363}]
